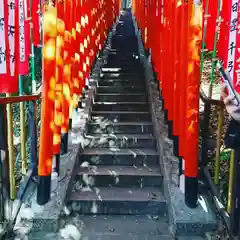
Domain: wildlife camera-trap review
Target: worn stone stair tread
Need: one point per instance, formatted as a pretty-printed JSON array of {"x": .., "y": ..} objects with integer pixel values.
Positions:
[
  {"x": 121, "y": 87},
  {"x": 121, "y": 65},
  {"x": 117, "y": 83},
  {"x": 110, "y": 127},
  {"x": 120, "y": 69},
  {"x": 119, "y": 170},
  {"x": 104, "y": 77},
  {"x": 122, "y": 94},
  {"x": 117, "y": 227},
  {"x": 120, "y": 136},
  {"x": 124, "y": 74},
  {"x": 129, "y": 60},
  {"x": 131, "y": 79},
  {"x": 120, "y": 103},
  {"x": 120, "y": 98},
  {"x": 123, "y": 152},
  {"x": 118, "y": 112},
  {"x": 125, "y": 224},
  {"x": 122, "y": 123},
  {"x": 119, "y": 194}
]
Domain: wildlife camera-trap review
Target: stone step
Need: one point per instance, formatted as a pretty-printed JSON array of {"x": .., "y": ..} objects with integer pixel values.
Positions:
[
  {"x": 118, "y": 66},
  {"x": 120, "y": 156},
  {"x": 138, "y": 74},
  {"x": 118, "y": 116},
  {"x": 121, "y": 76},
  {"x": 121, "y": 106},
  {"x": 124, "y": 89},
  {"x": 127, "y": 227},
  {"x": 115, "y": 63},
  {"x": 118, "y": 176},
  {"x": 119, "y": 128},
  {"x": 123, "y": 58},
  {"x": 121, "y": 98},
  {"x": 114, "y": 227},
  {"x": 126, "y": 201},
  {"x": 120, "y": 141},
  {"x": 119, "y": 82},
  {"x": 123, "y": 70}
]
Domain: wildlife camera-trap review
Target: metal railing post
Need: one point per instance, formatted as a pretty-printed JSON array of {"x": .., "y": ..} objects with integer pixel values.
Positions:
[{"x": 2, "y": 147}]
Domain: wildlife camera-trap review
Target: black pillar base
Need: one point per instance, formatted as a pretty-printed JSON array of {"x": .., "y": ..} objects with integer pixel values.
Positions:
[
  {"x": 163, "y": 104},
  {"x": 170, "y": 129},
  {"x": 158, "y": 88},
  {"x": 165, "y": 116},
  {"x": 175, "y": 145},
  {"x": 57, "y": 166},
  {"x": 154, "y": 74},
  {"x": 191, "y": 191},
  {"x": 180, "y": 166},
  {"x": 147, "y": 52},
  {"x": 70, "y": 123},
  {"x": 43, "y": 189},
  {"x": 80, "y": 104},
  {"x": 83, "y": 94},
  {"x": 64, "y": 143}
]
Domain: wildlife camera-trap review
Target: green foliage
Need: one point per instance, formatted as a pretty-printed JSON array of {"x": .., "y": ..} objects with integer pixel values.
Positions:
[
  {"x": 27, "y": 80},
  {"x": 208, "y": 55},
  {"x": 225, "y": 154}
]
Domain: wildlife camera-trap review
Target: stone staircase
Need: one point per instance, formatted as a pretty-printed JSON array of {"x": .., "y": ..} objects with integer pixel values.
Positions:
[
  {"x": 114, "y": 186},
  {"x": 118, "y": 182}
]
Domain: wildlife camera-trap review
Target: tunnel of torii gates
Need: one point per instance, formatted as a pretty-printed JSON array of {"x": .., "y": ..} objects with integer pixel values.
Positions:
[{"x": 73, "y": 32}]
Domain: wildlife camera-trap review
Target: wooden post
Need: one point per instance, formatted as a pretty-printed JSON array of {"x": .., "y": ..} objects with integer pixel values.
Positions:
[
  {"x": 192, "y": 103},
  {"x": 48, "y": 99}
]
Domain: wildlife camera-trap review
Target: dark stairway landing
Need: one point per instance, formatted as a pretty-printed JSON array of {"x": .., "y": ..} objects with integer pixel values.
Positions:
[{"x": 117, "y": 191}]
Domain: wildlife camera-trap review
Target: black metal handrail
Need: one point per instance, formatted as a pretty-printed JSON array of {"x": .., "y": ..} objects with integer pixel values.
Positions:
[
  {"x": 8, "y": 189},
  {"x": 228, "y": 212}
]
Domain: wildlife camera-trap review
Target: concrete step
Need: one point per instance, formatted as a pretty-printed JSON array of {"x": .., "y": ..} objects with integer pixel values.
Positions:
[
  {"x": 120, "y": 116},
  {"x": 126, "y": 201},
  {"x": 121, "y": 106},
  {"x": 120, "y": 141},
  {"x": 121, "y": 98},
  {"x": 119, "y": 128},
  {"x": 120, "y": 156},
  {"x": 118, "y": 176}
]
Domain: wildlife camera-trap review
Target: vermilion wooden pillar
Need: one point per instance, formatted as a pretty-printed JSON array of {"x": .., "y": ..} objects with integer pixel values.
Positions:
[
  {"x": 58, "y": 88},
  {"x": 167, "y": 50},
  {"x": 159, "y": 43},
  {"x": 164, "y": 49},
  {"x": 176, "y": 74},
  {"x": 67, "y": 76},
  {"x": 182, "y": 90},
  {"x": 192, "y": 103},
  {"x": 48, "y": 99},
  {"x": 183, "y": 74}
]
